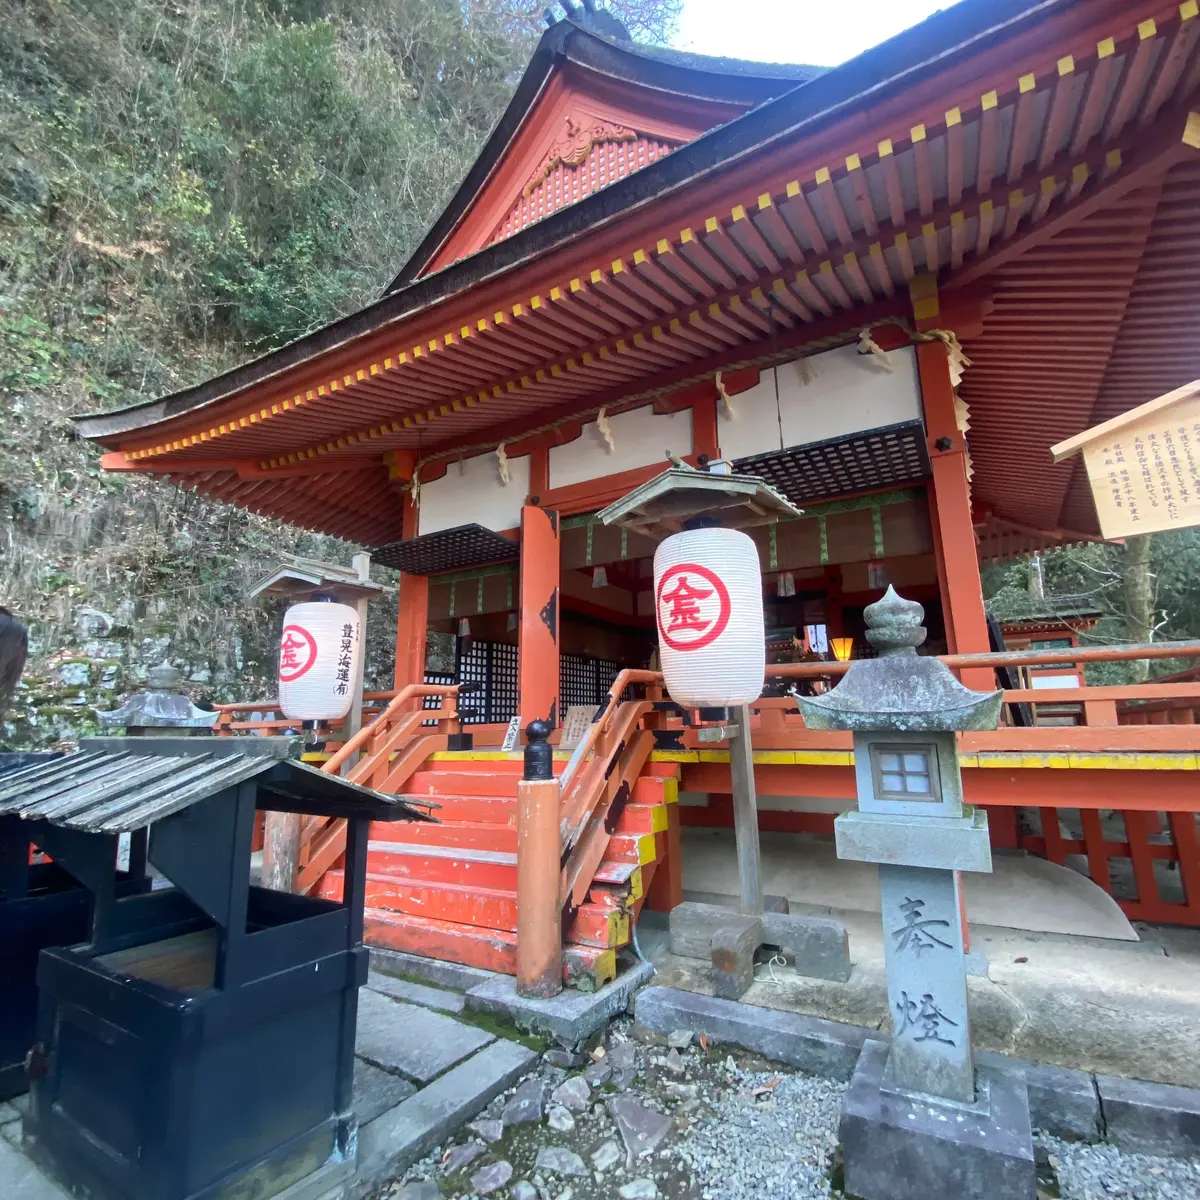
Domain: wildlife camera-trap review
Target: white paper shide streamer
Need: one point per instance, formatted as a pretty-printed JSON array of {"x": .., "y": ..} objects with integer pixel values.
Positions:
[
  {"x": 709, "y": 609},
  {"x": 319, "y": 653}
]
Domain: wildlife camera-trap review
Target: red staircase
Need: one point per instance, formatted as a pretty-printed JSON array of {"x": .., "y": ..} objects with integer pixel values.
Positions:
[{"x": 449, "y": 890}]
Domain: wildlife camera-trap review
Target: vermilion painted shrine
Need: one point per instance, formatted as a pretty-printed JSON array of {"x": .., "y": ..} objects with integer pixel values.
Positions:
[{"x": 886, "y": 289}]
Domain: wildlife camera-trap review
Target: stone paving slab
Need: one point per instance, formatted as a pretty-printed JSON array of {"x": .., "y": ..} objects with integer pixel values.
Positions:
[
  {"x": 1150, "y": 1118},
  {"x": 416, "y": 993},
  {"x": 569, "y": 1017},
  {"x": 401, "y": 1136},
  {"x": 821, "y": 1047},
  {"x": 432, "y": 970},
  {"x": 377, "y": 1090},
  {"x": 412, "y": 1040},
  {"x": 21, "y": 1180}
]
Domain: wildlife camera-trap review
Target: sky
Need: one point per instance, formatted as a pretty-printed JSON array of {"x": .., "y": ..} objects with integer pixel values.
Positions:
[{"x": 820, "y": 32}]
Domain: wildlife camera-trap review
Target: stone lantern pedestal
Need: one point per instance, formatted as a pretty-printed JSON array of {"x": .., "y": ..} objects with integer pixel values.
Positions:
[{"x": 921, "y": 1119}]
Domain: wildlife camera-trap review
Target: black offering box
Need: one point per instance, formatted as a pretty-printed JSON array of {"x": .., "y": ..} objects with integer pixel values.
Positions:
[
  {"x": 41, "y": 904},
  {"x": 201, "y": 1043}
]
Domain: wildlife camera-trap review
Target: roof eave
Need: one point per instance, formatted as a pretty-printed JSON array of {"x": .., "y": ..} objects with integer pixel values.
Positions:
[{"x": 829, "y": 97}]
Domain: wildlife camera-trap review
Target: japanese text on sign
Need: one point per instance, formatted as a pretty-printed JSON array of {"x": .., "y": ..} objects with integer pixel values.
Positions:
[{"x": 1145, "y": 477}]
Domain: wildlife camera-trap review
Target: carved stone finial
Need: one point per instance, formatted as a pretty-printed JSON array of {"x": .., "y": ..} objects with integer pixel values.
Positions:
[
  {"x": 539, "y": 754},
  {"x": 894, "y": 624}
]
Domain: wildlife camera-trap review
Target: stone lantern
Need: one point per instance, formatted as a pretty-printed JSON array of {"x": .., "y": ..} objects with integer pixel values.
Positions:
[
  {"x": 161, "y": 710},
  {"x": 920, "y": 1119}
]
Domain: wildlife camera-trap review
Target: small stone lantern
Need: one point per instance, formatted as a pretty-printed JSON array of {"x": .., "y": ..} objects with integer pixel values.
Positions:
[
  {"x": 161, "y": 710},
  {"x": 922, "y": 1098}
]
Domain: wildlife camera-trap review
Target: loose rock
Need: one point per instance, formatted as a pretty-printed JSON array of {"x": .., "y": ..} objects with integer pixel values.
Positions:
[
  {"x": 606, "y": 1157},
  {"x": 567, "y": 1059},
  {"x": 524, "y": 1190},
  {"x": 641, "y": 1128},
  {"x": 419, "y": 1189},
  {"x": 490, "y": 1131},
  {"x": 458, "y": 1157},
  {"x": 559, "y": 1119},
  {"x": 560, "y": 1160},
  {"x": 639, "y": 1189},
  {"x": 527, "y": 1104},
  {"x": 673, "y": 1062},
  {"x": 598, "y": 1074},
  {"x": 572, "y": 1094},
  {"x": 493, "y": 1176},
  {"x": 680, "y": 1039},
  {"x": 622, "y": 1056}
]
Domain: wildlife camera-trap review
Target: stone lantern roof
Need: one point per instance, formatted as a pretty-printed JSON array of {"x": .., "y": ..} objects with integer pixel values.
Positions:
[
  {"x": 161, "y": 707},
  {"x": 900, "y": 691}
]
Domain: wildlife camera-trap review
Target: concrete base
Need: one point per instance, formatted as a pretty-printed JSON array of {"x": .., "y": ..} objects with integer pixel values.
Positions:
[
  {"x": 900, "y": 1146},
  {"x": 733, "y": 944},
  {"x": 1022, "y": 892},
  {"x": 819, "y": 947},
  {"x": 571, "y": 1016}
]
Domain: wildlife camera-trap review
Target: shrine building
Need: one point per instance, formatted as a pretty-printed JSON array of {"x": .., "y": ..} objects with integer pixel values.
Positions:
[{"x": 885, "y": 289}]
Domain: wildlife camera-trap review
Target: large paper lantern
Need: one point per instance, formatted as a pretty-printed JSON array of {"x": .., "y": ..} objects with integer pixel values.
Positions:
[
  {"x": 318, "y": 661},
  {"x": 709, "y": 610}
]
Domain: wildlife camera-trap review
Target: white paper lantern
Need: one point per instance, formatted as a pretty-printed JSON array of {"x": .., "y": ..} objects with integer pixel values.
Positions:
[
  {"x": 709, "y": 609},
  {"x": 318, "y": 661}
]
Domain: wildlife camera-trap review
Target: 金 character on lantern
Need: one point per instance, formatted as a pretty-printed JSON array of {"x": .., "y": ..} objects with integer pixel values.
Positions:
[
  {"x": 292, "y": 652},
  {"x": 685, "y": 609}
]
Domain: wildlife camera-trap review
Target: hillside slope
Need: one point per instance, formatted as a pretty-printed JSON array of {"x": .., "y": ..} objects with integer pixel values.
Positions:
[{"x": 184, "y": 184}]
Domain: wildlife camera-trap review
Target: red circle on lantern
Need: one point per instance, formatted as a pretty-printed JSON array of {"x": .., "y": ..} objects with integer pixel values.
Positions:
[
  {"x": 707, "y": 631},
  {"x": 296, "y": 657}
]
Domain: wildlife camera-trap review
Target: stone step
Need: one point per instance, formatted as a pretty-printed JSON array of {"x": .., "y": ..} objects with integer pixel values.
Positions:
[{"x": 491, "y": 949}]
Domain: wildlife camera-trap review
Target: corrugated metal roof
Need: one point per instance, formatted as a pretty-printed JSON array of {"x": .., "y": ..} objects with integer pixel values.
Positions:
[{"x": 105, "y": 791}]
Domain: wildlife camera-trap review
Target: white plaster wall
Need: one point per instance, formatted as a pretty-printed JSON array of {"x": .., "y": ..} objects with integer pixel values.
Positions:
[
  {"x": 640, "y": 438},
  {"x": 849, "y": 392},
  {"x": 473, "y": 494},
  {"x": 754, "y": 426}
]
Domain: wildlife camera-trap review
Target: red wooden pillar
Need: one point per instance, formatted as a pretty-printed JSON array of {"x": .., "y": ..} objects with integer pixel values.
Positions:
[
  {"x": 537, "y": 645},
  {"x": 412, "y": 614},
  {"x": 950, "y": 496}
]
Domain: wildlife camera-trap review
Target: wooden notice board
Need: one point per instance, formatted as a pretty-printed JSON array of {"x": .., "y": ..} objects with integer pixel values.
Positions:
[{"x": 1144, "y": 466}]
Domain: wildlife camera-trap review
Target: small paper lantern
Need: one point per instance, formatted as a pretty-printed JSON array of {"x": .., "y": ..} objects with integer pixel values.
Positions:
[
  {"x": 318, "y": 661},
  {"x": 843, "y": 648},
  {"x": 709, "y": 610}
]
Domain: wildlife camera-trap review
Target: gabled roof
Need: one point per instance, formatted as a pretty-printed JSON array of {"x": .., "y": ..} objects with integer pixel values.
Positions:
[{"x": 697, "y": 91}]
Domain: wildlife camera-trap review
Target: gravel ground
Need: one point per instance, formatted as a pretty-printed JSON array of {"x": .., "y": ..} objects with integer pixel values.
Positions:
[
  {"x": 1103, "y": 1173},
  {"x": 704, "y": 1123},
  {"x": 772, "y": 1134}
]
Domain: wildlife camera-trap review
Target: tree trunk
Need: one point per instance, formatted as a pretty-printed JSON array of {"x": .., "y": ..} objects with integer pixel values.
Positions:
[{"x": 1139, "y": 598}]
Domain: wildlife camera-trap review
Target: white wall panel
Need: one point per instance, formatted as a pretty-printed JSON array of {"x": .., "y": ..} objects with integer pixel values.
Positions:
[
  {"x": 640, "y": 438},
  {"x": 473, "y": 494},
  {"x": 754, "y": 426},
  {"x": 851, "y": 392},
  {"x": 848, "y": 393}
]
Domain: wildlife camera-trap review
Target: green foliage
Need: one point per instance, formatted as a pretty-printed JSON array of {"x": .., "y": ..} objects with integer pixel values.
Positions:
[
  {"x": 1094, "y": 576},
  {"x": 183, "y": 184}
]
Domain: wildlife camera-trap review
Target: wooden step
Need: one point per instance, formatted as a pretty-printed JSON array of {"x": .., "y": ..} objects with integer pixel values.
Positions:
[
  {"x": 426, "y": 782},
  {"x": 489, "y": 908},
  {"x": 589, "y": 967},
  {"x": 622, "y": 847},
  {"x": 645, "y": 815},
  {"x": 495, "y": 810},
  {"x": 443, "y": 864}
]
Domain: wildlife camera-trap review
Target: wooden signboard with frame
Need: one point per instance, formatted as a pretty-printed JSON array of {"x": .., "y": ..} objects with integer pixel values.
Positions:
[{"x": 1144, "y": 466}]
